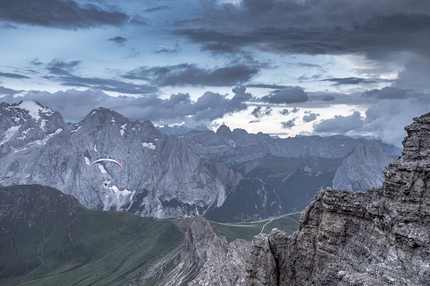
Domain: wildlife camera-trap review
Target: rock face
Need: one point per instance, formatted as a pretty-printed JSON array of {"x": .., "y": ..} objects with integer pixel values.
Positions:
[
  {"x": 362, "y": 169},
  {"x": 204, "y": 258},
  {"x": 380, "y": 237},
  {"x": 161, "y": 176}
]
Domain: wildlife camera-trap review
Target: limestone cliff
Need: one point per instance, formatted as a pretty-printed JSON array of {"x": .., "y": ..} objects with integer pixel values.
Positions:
[
  {"x": 204, "y": 258},
  {"x": 378, "y": 237}
]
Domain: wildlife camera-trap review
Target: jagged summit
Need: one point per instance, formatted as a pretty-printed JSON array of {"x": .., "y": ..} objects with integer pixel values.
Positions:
[
  {"x": 161, "y": 176},
  {"x": 378, "y": 237}
]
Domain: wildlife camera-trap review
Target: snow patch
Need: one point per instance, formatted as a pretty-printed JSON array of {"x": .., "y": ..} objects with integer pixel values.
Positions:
[
  {"x": 102, "y": 169},
  {"x": 32, "y": 107},
  {"x": 122, "y": 128},
  {"x": 117, "y": 197},
  {"x": 149, "y": 145},
  {"x": 73, "y": 131},
  {"x": 9, "y": 133},
  {"x": 87, "y": 161},
  {"x": 56, "y": 132}
]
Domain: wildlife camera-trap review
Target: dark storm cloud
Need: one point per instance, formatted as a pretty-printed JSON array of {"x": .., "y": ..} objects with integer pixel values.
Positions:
[
  {"x": 375, "y": 28},
  {"x": 328, "y": 98},
  {"x": 286, "y": 111},
  {"x": 188, "y": 74},
  {"x": 75, "y": 105},
  {"x": 61, "y": 71},
  {"x": 387, "y": 93},
  {"x": 8, "y": 91},
  {"x": 119, "y": 40},
  {"x": 258, "y": 112},
  {"x": 107, "y": 85},
  {"x": 269, "y": 86},
  {"x": 58, "y": 67},
  {"x": 220, "y": 48},
  {"x": 310, "y": 117},
  {"x": 13, "y": 75},
  {"x": 353, "y": 81},
  {"x": 288, "y": 124},
  {"x": 340, "y": 124},
  {"x": 157, "y": 8},
  {"x": 287, "y": 95},
  {"x": 59, "y": 14}
]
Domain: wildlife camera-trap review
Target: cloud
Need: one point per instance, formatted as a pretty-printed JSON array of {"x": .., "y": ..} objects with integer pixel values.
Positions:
[
  {"x": 288, "y": 124},
  {"x": 258, "y": 112},
  {"x": 58, "y": 67},
  {"x": 8, "y": 91},
  {"x": 328, "y": 98},
  {"x": 119, "y": 40},
  {"x": 384, "y": 118},
  {"x": 387, "y": 93},
  {"x": 168, "y": 49},
  {"x": 74, "y": 105},
  {"x": 340, "y": 124},
  {"x": 286, "y": 111},
  {"x": 12, "y": 75},
  {"x": 287, "y": 95},
  {"x": 59, "y": 14},
  {"x": 157, "y": 8},
  {"x": 376, "y": 28},
  {"x": 189, "y": 74},
  {"x": 353, "y": 81},
  {"x": 269, "y": 86},
  {"x": 415, "y": 74},
  {"x": 310, "y": 117},
  {"x": 61, "y": 71}
]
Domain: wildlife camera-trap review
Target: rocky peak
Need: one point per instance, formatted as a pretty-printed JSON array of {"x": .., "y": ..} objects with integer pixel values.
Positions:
[
  {"x": 362, "y": 169},
  {"x": 101, "y": 116},
  {"x": 378, "y": 237},
  {"x": 223, "y": 131},
  {"x": 26, "y": 124}
]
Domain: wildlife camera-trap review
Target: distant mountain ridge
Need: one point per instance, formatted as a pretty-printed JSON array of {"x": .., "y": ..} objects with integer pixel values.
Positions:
[
  {"x": 292, "y": 168},
  {"x": 161, "y": 176},
  {"x": 171, "y": 176}
]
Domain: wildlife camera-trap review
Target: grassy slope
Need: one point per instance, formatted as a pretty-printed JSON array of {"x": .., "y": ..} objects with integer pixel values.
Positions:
[
  {"x": 50, "y": 239},
  {"x": 49, "y": 246},
  {"x": 288, "y": 223}
]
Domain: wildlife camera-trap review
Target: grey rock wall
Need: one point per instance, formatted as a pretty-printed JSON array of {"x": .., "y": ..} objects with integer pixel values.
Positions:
[{"x": 380, "y": 237}]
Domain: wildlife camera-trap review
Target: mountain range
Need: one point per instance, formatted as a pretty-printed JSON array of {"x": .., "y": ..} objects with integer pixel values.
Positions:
[
  {"x": 377, "y": 237},
  {"x": 165, "y": 176}
]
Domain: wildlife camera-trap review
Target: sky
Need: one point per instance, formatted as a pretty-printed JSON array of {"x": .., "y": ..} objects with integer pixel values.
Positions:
[{"x": 282, "y": 67}]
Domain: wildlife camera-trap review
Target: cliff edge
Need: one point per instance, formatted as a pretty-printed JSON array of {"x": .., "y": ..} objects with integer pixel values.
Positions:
[{"x": 378, "y": 237}]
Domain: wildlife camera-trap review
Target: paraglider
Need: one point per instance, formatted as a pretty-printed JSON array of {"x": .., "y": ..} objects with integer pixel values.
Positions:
[{"x": 106, "y": 159}]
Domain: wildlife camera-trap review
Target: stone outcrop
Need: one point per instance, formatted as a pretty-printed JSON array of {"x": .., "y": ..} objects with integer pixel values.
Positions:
[
  {"x": 203, "y": 259},
  {"x": 362, "y": 169},
  {"x": 378, "y": 237}
]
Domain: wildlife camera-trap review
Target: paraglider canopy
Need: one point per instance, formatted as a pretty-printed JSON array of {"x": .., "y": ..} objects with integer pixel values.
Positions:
[{"x": 106, "y": 159}]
